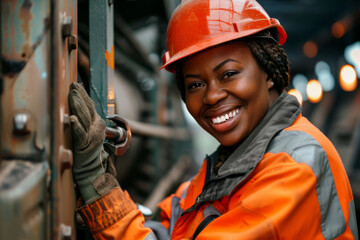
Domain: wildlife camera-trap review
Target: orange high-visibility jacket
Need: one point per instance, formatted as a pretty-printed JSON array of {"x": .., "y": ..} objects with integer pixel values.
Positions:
[{"x": 285, "y": 181}]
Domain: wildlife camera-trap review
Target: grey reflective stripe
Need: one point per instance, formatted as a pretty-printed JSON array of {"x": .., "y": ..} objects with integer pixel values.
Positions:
[
  {"x": 175, "y": 212},
  {"x": 210, "y": 210},
  {"x": 303, "y": 148},
  {"x": 151, "y": 236},
  {"x": 184, "y": 193},
  {"x": 352, "y": 220},
  {"x": 158, "y": 229}
]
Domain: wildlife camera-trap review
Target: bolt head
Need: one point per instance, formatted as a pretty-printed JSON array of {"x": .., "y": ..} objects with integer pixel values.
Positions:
[
  {"x": 66, "y": 159},
  {"x": 65, "y": 232},
  {"x": 72, "y": 42},
  {"x": 66, "y": 26},
  {"x": 21, "y": 124}
]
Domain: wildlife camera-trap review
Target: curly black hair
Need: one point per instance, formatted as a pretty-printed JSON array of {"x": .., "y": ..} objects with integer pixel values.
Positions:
[{"x": 270, "y": 56}]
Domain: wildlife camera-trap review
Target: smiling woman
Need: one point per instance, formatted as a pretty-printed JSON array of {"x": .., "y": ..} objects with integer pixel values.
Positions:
[
  {"x": 274, "y": 175},
  {"x": 226, "y": 81}
]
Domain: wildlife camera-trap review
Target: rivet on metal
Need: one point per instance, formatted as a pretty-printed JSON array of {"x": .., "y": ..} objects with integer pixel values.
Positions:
[
  {"x": 66, "y": 120},
  {"x": 66, "y": 159},
  {"x": 66, "y": 27},
  {"x": 65, "y": 232},
  {"x": 21, "y": 125},
  {"x": 72, "y": 42}
]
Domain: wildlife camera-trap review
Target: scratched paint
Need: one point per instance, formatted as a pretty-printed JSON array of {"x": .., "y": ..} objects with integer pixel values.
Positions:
[
  {"x": 25, "y": 16},
  {"x": 25, "y": 24},
  {"x": 9, "y": 31},
  {"x": 25, "y": 56},
  {"x": 25, "y": 49},
  {"x": 110, "y": 57}
]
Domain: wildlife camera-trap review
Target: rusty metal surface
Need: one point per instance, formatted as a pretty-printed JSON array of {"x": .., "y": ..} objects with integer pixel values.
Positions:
[
  {"x": 64, "y": 71},
  {"x": 25, "y": 119},
  {"x": 26, "y": 67},
  {"x": 22, "y": 200},
  {"x": 38, "y": 62}
]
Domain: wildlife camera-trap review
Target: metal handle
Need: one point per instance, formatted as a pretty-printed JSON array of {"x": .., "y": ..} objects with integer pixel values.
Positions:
[{"x": 118, "y": 138}]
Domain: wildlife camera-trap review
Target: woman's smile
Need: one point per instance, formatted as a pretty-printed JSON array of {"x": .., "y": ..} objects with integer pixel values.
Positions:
[
  {"x": 225, "y": 117},
  {"x": 224, "y": 120}
]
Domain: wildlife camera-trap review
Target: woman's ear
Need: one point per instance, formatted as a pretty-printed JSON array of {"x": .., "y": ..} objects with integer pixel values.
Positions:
[
  {"x": 273, "y": 93},
  {"x": 270, "y": 83}
]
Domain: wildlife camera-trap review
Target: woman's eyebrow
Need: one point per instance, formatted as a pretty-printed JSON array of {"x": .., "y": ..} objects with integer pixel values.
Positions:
[
  {"x": 223, "y": 63},
  {"x": 215, "y": 68},
  {"x": 191, "y": 76}
]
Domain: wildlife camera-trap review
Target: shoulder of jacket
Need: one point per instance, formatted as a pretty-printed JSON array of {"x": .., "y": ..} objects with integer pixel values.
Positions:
[{"x": 300, "y": 146}]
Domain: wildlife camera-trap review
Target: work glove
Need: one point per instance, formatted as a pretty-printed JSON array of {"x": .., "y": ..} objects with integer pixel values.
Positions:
[{"x": 94, "y": 174}]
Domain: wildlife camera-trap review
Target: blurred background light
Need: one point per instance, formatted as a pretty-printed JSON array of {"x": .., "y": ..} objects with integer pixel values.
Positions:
[
  {"x": 300, "y": 82},
  {"x": 326, "y": 79},
  {"x": 310, "y": 49},
  {"x": 314, "y": 91},
  {"x": 352, "y": 56},
  {"x": 348, "y": 79},
  {"x": 338, "y": 30},
  {"x": 297, "y": 94}
]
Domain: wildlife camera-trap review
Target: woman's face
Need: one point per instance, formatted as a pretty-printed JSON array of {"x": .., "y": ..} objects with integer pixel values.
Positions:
[{"x": 226, "y": 91}]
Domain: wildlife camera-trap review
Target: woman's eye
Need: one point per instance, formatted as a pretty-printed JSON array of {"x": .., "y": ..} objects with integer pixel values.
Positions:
[
  {"x": 194, "y": 85},
  {"x": 229, "y": 74}
]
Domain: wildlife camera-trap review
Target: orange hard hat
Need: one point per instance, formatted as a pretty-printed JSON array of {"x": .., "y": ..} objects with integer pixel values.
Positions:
[{"x": 199, "y": 24}]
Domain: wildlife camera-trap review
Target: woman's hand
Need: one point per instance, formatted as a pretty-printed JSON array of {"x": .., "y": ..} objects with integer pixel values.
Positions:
[{"x": 90, "y": 160}]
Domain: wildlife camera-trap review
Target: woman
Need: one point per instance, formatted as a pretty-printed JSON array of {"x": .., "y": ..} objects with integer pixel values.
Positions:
[{"x": 274, "y": 175}]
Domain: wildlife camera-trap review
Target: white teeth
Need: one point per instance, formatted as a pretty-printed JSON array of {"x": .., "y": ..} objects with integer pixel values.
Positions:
[{"x": 225, "y": 117}]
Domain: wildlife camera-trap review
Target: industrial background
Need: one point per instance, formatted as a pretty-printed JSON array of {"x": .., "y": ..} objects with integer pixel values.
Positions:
[{"x": 114, "y": 47}]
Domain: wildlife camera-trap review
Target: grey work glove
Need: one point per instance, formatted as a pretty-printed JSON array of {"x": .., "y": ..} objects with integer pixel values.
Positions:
[{"x": 90, "y": 160}]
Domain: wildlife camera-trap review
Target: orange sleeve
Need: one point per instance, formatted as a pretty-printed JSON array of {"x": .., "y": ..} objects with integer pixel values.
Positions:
[{"x": 115, "y": 216}]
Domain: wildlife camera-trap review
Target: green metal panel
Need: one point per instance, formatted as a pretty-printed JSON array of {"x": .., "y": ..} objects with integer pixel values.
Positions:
[{"x": 101, "y": 38}]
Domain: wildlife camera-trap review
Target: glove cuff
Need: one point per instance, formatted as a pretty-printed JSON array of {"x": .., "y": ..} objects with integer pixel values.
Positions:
[
  {"x": 86, "y": 186},
  {"x": 97, "y": 182},
  {"x": 105, "y": 183}
]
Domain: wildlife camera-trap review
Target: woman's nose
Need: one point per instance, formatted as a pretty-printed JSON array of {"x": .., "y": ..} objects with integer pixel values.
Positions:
[{"x": 214, "y": 93}]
